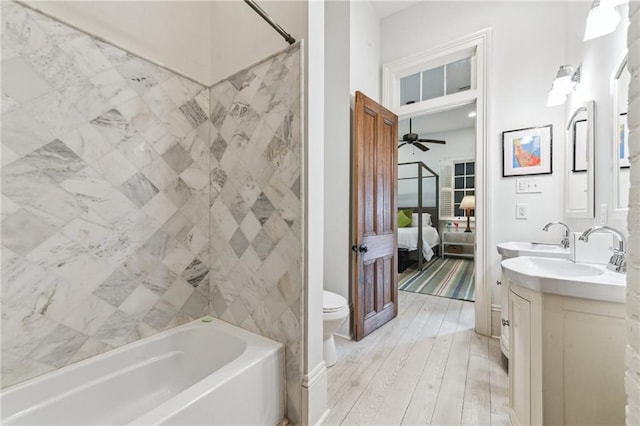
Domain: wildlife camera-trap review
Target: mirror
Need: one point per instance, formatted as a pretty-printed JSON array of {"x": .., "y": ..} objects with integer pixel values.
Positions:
[
  {"x": 621, "y": 178},
  {"x": 580, "y": 181}
]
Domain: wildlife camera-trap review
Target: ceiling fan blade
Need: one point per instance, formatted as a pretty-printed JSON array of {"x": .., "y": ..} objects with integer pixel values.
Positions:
[
  {"x": 421, "y": 147},
  {"x": 432, "y": 141},
  {"x": 403, "y": 143}
]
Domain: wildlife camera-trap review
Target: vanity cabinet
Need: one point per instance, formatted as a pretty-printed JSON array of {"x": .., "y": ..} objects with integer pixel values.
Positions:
[
  {"x": 504, "y": 313},
  {"x": 566, "y": 363}
]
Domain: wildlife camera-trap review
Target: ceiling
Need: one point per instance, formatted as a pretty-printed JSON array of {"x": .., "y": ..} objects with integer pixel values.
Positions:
[
  {"x": 453, "y": 119},
  {"x": 386, "y": 8}
]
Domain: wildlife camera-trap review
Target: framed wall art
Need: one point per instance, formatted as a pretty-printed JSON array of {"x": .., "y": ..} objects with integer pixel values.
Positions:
[
  {"x": 527, "y": 151},
  {"x": 580, "y": 150}
]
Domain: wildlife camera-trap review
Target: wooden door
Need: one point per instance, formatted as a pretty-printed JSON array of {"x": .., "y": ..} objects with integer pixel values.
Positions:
[{"x": 375, "y": 158}]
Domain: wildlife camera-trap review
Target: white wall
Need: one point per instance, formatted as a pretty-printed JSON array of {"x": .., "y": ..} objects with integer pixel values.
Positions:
[
  {"x": 364, "y": 41},
  {"x": 352, "y": 63},
  {"x": 337, "y": 150},
  {"x": 241, "y": 38},
  {"x": 205, "y": 41},
  {"x": 173, "y": 34},
  {"x": 528, "y": 46},
  {"x": 461, "y": 144},
  {"x": 314, "y": 380},
  {"x": 599, "y": 58}
]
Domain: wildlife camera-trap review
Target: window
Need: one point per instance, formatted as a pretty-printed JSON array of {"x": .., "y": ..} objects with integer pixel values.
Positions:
[
  {"x": 457, "y": 179},
  {"x": 435, "y": 82},
  {"x": 463, "y": 184}
]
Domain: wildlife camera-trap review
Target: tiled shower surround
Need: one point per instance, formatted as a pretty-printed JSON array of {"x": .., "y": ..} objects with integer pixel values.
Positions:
[
  {"x": 135, "y": 200},
  {"x": 256, "y": 243}
]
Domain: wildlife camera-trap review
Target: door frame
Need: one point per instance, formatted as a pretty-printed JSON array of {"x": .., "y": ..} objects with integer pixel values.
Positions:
[{"x": 481, "y": 43}]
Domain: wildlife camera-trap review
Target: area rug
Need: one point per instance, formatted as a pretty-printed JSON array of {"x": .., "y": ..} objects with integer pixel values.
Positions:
[{"x": 448, "y": 277}]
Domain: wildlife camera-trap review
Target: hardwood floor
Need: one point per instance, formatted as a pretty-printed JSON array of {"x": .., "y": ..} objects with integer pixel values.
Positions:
[{"x": 427, "y": 366}]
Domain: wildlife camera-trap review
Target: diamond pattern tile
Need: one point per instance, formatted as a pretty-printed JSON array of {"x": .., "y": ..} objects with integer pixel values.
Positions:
[
  {"x": 138, "y": 189},
  {"x": 56, "y": 160},
  {"x": 255, "y": 183},
  {"x": 84, "y": 183},
  {"x": 195, "y": 273},
  {"x": 262, "y": 208},
  {"x": 179, "y": 201}
]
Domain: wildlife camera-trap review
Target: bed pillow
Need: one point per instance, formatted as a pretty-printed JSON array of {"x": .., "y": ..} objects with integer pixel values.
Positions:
[
  {"x": 403, "y": 220},
  {"x": 426, "y": 220}
]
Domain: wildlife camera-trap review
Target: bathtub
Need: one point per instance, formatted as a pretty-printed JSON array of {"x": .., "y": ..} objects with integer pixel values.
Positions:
[{"x": 199, "y": 373}]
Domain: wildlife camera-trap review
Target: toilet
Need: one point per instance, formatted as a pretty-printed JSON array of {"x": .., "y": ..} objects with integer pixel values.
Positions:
[{"x": 335, "y": 310}]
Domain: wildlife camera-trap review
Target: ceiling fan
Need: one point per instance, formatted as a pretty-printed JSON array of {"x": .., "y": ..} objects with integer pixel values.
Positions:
[{"x": 415, "y": 140}]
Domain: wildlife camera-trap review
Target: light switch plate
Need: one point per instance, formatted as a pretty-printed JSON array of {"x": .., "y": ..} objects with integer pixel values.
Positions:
[
  {"x": 528, "y": 186},
  {"x": 522, "y": 211}
]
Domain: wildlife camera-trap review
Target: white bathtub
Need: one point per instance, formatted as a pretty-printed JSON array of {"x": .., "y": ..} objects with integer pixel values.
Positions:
[{"x": 200, "y": 373}]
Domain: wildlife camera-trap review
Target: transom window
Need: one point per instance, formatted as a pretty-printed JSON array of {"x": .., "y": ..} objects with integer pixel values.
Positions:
[{"x": 435, "y": 82}]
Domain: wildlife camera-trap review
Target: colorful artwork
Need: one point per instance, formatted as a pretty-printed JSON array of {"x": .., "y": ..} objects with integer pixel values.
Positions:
[{"x": 526, "y": 151}]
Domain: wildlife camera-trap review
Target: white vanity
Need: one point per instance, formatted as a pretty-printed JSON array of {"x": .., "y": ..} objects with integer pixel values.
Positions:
[
  {"x": 510, "y": 250},
  {"x": 567, "y": 341}
]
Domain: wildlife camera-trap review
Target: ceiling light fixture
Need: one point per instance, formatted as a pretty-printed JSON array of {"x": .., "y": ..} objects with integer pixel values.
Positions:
[
  {"x": 603, "y": 19},
  {"x": 471, "y": 114},
  {"x": 566, "y": 80}
]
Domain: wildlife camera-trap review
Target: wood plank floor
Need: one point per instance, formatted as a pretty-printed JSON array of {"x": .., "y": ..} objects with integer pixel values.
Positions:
[{"x": 427, "y": 366}]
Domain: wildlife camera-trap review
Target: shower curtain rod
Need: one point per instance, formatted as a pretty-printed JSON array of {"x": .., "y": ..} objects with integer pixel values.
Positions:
[{"x": 270, "y": 21}]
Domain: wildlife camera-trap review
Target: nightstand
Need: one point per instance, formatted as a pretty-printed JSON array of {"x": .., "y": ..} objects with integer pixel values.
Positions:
[{"x": 458, "y": 244}]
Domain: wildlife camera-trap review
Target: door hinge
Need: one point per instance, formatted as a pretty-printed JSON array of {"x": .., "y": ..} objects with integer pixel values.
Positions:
[
  {"x": 505, "y": 322},
  {"x": 499, "y": 282}
]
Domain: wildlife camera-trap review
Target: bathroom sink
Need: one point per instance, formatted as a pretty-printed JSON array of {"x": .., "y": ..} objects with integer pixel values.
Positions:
[
  {"x": 566, "y": 278},
  {"x": 516, "y": 248},
  {"x": 553, "y": 268}
]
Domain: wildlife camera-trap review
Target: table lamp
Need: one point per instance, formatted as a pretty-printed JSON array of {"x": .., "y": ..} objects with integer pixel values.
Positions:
[{"x": 468, "y": 203}]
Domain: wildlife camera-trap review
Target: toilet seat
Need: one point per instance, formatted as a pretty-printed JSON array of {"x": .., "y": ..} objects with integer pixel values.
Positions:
[{"x": 332, "y": 302}]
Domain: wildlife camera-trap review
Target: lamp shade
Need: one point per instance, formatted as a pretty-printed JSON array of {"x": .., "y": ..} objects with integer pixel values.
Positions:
[
  {"x": 602, "y": 19},
  {"x": 468, "y": 202}
]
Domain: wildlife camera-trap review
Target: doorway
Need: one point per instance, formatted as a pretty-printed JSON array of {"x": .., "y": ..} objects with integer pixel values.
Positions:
[
  {"x": 477, "y": 46},
  {"x": 437, "y": 256}
]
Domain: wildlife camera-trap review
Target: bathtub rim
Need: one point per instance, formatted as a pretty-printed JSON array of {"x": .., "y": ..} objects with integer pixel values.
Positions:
[{"x": 256, "y": 347}]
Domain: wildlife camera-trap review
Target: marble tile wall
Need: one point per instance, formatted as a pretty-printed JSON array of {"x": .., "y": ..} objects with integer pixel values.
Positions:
[
  {"x": 256, "y": 209},
  {"x": 105, "y": 196}
]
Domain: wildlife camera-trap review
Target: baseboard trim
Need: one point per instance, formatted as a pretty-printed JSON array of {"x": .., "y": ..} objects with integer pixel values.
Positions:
[
  {"x": 324, "y": 416},
  {"x": 314, "y": 395},
  {"x": 308, "y": 380},
  {"x": 343, "y": 336}
]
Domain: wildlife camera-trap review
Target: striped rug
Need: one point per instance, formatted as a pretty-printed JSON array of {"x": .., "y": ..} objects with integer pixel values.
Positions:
[{"x": 448, "y": 277}]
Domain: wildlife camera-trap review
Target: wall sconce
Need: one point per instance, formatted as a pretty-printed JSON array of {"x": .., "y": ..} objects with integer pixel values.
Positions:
[
  {"x": 603, "y": 18},
  {"x": 566, "y": 80}
]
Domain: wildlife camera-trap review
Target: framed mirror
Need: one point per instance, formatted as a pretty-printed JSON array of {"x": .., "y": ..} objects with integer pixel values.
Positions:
[
  {"x": 620, "y": 139},
  {"x": 580, "y": 177}
]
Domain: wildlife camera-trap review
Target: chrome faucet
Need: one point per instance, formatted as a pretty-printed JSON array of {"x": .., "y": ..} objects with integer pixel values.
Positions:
[
  {"x": 618, "y": 261},
  {"x": 565, "y": 238}
]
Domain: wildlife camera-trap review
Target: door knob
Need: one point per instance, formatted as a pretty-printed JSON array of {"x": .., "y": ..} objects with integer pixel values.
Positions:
[
  {"x": 359, "y": 249},
  {"x": 505, "y": 322}
]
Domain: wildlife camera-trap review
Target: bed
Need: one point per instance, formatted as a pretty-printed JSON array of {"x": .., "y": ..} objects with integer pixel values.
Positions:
[
  {"x": 418, "y": 190},
  {"x": 408, "y": 240}
]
